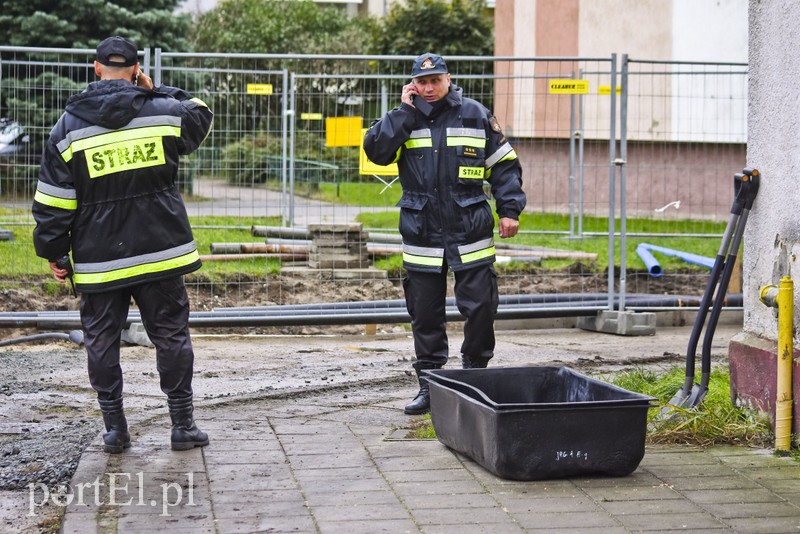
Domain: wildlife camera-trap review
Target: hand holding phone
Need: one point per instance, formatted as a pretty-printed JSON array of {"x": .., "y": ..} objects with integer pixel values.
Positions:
[
  {"x": 412, "y": 97},
  {"x": 409, "y": 92},
  {"x": 422, "y": 105},
  {"x": 141, "y": 79}
]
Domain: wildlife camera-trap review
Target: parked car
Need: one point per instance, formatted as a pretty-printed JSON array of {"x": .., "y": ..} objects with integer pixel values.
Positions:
[{"x": 13, "y": 139}]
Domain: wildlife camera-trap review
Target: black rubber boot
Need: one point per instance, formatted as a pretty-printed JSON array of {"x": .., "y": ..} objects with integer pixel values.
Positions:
[
  {"x": 468, "y": 362},
  {"x": 117, "y": 438},
  {"x": 185, "y": 434},
  {"x": 422, "y": 402},
  {"x": 478, "y": 363}
]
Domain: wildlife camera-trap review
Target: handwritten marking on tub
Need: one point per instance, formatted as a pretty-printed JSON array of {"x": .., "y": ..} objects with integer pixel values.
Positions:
[{"x": 578, "y": 455}]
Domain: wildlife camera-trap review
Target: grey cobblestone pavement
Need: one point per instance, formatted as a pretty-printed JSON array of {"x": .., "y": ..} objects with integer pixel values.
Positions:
[
  {"x": 322, "y": 464},
  {"x": 336, "y": 458}
]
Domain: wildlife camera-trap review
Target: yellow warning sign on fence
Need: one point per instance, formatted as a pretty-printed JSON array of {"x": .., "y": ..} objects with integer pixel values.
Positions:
[
  {"x": 606, "y": 89},
  {"x": 365, "y": 166},
  {"x": 311, "y": 116},
  {"x": 259, "y": 88},
  {"x": 568, "y": 86},
  {"x": 343, "y": 131}
]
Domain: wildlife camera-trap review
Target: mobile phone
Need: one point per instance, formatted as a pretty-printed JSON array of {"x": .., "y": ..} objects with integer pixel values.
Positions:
[
  {"x": 136, "y": 77},
  {"x": 422, "y": 105}
]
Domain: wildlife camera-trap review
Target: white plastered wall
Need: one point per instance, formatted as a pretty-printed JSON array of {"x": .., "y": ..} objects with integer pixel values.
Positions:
[{"x": 773, "y": 231}]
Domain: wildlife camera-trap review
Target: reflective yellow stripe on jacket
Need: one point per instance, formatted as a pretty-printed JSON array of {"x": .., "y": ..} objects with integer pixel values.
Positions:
[
  {"x": 137, "y": 145},
  {"x": 473, "y": 137},
  {"x": 109, "y": 271},
  {"x": 425, "y": 256},
  {"x": 477, "y": 251},
  {"x": 420, "y": 139},
  {"x": 56, "y": 197},
  {"x": 504, "y": 153},
  {"x": 96, "y": 136}
]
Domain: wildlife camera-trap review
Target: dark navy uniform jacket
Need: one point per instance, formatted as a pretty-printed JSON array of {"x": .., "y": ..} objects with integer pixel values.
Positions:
[
  {"x": 443, "y": 161},
  {"x": 107, "y": 186}
]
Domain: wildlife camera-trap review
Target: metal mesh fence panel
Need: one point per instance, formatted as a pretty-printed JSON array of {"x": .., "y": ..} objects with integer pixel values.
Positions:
[
  {"x": 283, "y": 165},
  {"x": 35, "y": 84},
  {"x": 686, "y": 137}
]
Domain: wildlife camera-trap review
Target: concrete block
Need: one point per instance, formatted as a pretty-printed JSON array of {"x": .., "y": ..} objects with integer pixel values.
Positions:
[
  {"x": 136, "y": 335},
  {"x": 621, "y": 323}
]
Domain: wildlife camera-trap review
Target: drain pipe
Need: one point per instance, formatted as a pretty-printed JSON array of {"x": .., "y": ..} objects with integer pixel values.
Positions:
[
  {"x": 75, "y": 336},
  {"x": 782, "y": 298}
]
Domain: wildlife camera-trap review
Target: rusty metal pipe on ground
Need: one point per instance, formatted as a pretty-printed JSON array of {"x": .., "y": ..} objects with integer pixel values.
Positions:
[{"x": 240, "y": 257}]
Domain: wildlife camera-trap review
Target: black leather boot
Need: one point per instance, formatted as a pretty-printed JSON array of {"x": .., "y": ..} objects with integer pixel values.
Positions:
[
  {"x": 422, "y": 402},
  {"x": 185, "y": 434},
  {"x": 479, "y": 363},
  {"x": 117, "y": 438},
  {"x": 468, "y": 362}
]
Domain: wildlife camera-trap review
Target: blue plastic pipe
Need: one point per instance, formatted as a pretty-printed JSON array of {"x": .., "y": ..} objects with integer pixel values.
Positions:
[
  {"x": 650, "y": 261},
  {"x": 645, "y": 250}
]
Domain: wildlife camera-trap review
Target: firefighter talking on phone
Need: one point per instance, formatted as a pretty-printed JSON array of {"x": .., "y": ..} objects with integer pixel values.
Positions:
[
  {"x": 107, "y": 193},
  {"x": 446, "y": 145}
]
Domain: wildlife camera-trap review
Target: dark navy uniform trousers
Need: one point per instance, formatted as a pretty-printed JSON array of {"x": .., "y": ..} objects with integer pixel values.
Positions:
[
  {"x": 164, "y": 308},
  {"x": 476, "y": 298}
]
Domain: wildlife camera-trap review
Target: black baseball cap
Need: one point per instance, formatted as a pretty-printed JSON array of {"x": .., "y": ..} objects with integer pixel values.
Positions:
[
  {"x": 117, "y": 46},
  {"x": 428, "y": 64}
]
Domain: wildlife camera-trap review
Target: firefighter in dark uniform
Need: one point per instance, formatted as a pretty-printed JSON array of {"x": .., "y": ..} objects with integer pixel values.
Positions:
[
  {"x": 446, "y": 146},
  {"x": 107, "y": 192}
]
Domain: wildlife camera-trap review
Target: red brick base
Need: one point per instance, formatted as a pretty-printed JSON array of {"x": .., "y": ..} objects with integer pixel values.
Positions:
[{"x": 754, "y": 376}]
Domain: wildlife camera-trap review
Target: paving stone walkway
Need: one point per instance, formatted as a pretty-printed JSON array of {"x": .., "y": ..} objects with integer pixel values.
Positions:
[{"x": 333, "y": 462}]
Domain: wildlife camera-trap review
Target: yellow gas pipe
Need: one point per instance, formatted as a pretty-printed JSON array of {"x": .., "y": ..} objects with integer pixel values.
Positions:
[{"x": 782, "y": 297}]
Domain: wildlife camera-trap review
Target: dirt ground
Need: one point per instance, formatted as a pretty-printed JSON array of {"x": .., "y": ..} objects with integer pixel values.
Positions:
[
  {"x": 291, "y": 289},
  {"x": 49, "y": 414}
]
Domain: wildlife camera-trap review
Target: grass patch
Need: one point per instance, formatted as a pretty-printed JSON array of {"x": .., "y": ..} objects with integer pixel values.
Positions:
[
  {"x": 20, "y": 260},
  {"x": 551, "y": 232},
  {"x": 360, "y": 194},
  {"x": 53, "y": 521},
  {"x": 715, "y": 422},
  {"x": 421, "y": 428}
]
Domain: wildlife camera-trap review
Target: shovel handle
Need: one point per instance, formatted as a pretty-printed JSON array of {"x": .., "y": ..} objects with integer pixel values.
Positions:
[
  {"x": 753, "y": 177},
  {"x": 745, "y": 188}
]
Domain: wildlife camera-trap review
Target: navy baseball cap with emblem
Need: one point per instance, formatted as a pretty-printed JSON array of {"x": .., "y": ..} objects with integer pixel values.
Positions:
[
  {"x": 428, "y": 64},
  {"x": 117, "y": 46}
]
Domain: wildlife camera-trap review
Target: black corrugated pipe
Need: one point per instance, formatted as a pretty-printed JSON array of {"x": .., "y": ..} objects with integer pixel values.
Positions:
[
  {"x": 76, "y": 336},
  {"x": 279, "y": 316},
  {"x": 647, "y": 300},
  {"x": 401, "y": 303}
]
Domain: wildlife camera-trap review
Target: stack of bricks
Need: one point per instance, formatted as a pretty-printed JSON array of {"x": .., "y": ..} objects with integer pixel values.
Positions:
[{"x": 337, "y": 246}]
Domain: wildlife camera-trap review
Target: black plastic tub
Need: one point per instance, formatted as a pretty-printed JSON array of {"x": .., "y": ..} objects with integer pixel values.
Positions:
[{"x": 533, "y": 423}]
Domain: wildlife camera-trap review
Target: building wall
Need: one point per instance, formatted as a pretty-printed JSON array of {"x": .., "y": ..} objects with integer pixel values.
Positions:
[
  {"x": 655, "y": 174},
  {"x": 664, "y": 30},
  {"x": 705, "y": 30},
  {"x": 642, "y": 28},
  {"x": 772, "y": 239}
]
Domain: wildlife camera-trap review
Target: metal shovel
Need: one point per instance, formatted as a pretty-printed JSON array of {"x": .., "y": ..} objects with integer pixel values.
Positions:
[{"x": 691, "y": 394}]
